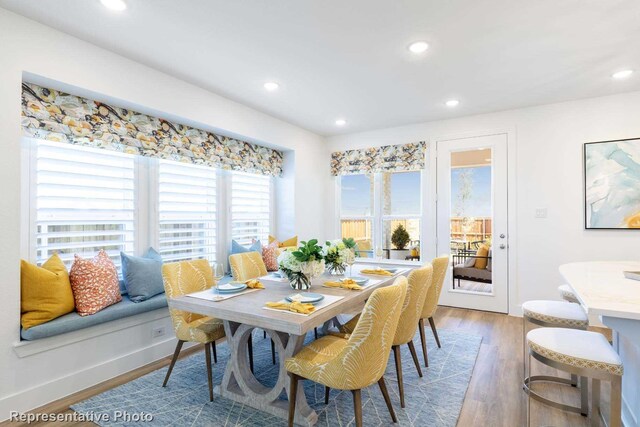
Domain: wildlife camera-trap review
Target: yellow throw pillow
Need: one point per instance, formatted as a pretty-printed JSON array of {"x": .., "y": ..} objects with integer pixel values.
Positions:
[
  {"x": 45, "y": 292},
  {"x": 285, "y": 243},
  {"x": 481, "y": 263}
]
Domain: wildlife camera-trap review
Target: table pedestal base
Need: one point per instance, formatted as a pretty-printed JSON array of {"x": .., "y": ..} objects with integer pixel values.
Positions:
[{"x": 240, "y": 385}]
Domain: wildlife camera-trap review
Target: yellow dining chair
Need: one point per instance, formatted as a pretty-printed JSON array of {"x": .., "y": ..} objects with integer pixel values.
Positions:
[
  {"x": 182, "y": 278},
  {"x": 440, "y": 266},
  {"x": 358, "y": 361},
  {"x": 247, "y": 266},
  {"x": 420, "y": 280}
]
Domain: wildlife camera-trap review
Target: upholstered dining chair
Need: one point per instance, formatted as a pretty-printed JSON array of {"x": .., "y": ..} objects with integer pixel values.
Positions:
[
  {"x": 247, "y": 266},
  {"x": 420, "y": 280},
  {"x": 440, "y": 266},
  {"x": 355, "y": 362},
  {"x": 182, "y": 278}
]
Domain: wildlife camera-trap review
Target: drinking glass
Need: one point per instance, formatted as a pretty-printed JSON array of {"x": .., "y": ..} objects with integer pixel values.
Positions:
[
  {"x": 218, "y": 274},
  {"x": 350, "y": 262},
  {"x": 379, "y": 253}
]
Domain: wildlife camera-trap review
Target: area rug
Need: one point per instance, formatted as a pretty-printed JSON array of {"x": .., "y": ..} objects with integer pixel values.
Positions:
[{"x": 434, "y": 400}]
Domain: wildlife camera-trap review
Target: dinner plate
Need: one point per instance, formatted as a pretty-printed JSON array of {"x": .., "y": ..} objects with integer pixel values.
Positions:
[
  {"x": 358, "y": 280},
  {"x": 307, "y": 297},
  {"x": 230, "y": 288}
]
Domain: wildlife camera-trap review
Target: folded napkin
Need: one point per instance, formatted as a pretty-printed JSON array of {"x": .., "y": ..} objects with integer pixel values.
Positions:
[
  {"x": 346, "y": 284},
  {"x": 295, "y": 306},
  {"x": 254, "y": 284},
  {"x": 378, "y": 271}
]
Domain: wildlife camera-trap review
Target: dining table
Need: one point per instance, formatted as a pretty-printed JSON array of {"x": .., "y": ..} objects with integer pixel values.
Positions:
[
  {"x": 604, "y": 291},
  {"x": 244, "y": 313}
]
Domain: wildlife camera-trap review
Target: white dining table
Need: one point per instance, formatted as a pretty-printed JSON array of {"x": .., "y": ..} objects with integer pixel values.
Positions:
[
  {"x": 244, "y": 313},
  {"x": 604, "y": 291}
]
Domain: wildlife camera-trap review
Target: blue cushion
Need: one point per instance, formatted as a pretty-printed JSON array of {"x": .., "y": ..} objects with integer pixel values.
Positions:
[
  {"x": 237, "y": 248},
  {"x": 73, "y": 321},
  {"x": 142, "y": 276}
]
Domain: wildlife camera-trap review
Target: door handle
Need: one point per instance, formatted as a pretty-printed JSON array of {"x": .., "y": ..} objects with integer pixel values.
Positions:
[
  {"x": 503, "y": 246},
  {"x": 502, "y": 236}
]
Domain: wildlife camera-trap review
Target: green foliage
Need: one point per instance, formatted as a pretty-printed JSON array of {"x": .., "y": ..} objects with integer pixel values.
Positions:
[
  {"x": 349, "y": 242},
  {"x": 308, "y": 251},
  {"x": 400, "y": 237}
]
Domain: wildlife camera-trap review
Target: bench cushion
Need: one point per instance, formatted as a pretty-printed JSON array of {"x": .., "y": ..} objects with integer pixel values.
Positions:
[
  {"x": 73, "y": 321},
  {"x": 471, "y": 272}
]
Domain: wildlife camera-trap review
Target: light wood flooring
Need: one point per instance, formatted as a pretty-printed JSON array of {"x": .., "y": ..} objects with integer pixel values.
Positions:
[{"x": 494, "y": 398}]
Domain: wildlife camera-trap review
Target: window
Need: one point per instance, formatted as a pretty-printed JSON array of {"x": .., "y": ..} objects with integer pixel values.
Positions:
[
  {"x": 186, "y": 211},
  {"x": 84, "y": 202},
  {"x": 372, "y": 207},
  {"x": 250, "y": 207}
]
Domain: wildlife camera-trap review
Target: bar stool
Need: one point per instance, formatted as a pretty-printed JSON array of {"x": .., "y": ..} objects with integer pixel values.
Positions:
[
  {"x": 580, "y": 353},
  {"x": 567, "y": 294}
]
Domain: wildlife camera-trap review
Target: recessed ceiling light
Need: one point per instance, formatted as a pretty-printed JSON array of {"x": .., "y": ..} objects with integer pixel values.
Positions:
[
  {"x": 622, "y": 74},
  {"x": 118, "y": 5},
  {"x": 341, "y": 122},
  {"x": 419, "y": 47},
  {"x": 271, "y": 86},
  {"x": 452, "y": 103}
]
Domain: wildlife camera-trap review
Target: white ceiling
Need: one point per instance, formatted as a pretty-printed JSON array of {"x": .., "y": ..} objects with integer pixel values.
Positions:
[{"x": 337, "y": 58}]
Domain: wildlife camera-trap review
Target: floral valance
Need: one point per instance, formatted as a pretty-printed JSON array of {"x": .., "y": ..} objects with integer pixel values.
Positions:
[
  {"x": 57, "y": 116},
  {"x": 389, "y": 158}
]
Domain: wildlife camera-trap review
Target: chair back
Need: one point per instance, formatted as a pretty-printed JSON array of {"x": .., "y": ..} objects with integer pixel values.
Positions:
[
  {"x": 247, "y": 265},
  {"x": 364, "y": 359},
  {"x": 182, "y": 278},
  {"x": 440, "y": 266},
  {"x": 420, "y": 280}
]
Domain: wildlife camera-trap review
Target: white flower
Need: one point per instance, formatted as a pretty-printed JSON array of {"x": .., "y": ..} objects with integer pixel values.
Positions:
[{"x": 287, "y": 261}]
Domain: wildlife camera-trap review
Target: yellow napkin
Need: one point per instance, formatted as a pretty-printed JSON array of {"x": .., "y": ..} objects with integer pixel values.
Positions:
[
  {"x": 346, "y": 284},
  {"x": 254, "y": 284},
  {"x": 295, "y": 306},
  {"x": 378, "y": 271}
]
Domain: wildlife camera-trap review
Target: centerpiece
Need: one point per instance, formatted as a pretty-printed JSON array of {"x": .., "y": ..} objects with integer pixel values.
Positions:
[
  {"x": 337, "y": 255},
  {"x": 303, "y": 264}
]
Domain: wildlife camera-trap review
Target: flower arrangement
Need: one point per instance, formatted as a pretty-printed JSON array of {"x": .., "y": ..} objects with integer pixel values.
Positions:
[
  {"x": 337, "y": 255},
  {"x": 303, "y": 264}
]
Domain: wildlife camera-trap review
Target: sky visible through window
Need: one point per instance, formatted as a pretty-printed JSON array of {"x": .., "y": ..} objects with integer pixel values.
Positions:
[{"x": 479, "y": 204}]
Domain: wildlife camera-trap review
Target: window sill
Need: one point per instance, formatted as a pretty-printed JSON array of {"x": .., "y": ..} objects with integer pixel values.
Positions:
[
  {"x": 28, "y": 348},
  {"x": 389, "y": 262}
]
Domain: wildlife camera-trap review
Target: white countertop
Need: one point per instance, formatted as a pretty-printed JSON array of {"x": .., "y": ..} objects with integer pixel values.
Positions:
[{"x": 602, "y": 288}]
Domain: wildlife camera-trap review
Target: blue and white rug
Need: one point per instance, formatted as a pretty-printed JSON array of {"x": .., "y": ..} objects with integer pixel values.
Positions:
[{"x": 434, "y": 400}]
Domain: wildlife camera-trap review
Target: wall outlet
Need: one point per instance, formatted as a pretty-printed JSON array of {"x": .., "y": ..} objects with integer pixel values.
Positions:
[
  {"x": 158, "y": 332},
  {"x": 541, "y": 212}
]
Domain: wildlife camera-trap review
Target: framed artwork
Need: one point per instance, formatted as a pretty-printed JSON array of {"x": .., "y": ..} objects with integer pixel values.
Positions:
[{"x": 612, "y": 184}]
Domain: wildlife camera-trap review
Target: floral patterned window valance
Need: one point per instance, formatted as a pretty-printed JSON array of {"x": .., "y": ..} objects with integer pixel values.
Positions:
[
  {"x": 389, "y": 158},
  {"x": 57, "y": 116}
]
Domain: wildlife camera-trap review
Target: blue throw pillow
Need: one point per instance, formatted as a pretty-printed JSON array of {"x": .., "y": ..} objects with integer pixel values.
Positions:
[
  {"x": 142, "y": 276},
  {"x": 237, "y": 248}
]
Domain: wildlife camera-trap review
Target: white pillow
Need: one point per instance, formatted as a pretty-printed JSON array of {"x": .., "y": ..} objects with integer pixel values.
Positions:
[{"x": 469, "y": 262}]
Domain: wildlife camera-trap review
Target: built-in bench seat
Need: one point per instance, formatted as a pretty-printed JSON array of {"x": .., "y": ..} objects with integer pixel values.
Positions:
[{"x": 73, "y": 321}]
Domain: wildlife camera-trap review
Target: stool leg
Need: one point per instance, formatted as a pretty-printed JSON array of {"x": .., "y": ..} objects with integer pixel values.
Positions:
[
  {"x": 524, "y": 348},
  {"x": 595, "y": 403},
  {"x": 574, "y": 380},
  {"x": 616, "y": 403},
  {"x": 584, "y": 396},
  {"x": 528, "y": 375}
]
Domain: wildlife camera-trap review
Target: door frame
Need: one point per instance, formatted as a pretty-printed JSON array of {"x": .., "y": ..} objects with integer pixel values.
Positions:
[{"x": 513, "y": 292}]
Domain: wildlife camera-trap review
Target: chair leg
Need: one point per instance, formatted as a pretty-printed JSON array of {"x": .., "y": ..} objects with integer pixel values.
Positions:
[
  {"x": 293, "y": 393},
  {"x": 326, "y": 395},
  {"x": 435, "y": 332},
  {"x": 250, "y": 344},
  {"x": 595, "y": 403},
  {"x": 397, "y": 356},
  {"x": 215, "y": 352},
  {"x": 584, "y": 396},
  {"x": 173, "y": 361},
  {"x": 615, "y": 417},
  {"x": 357, "y": 407},
  {"x": 207, "y": 354},
  {"x": 412, "y": 349},
  {"x": 424, "y": 342},
  {"x": 273, "y": 352},
  {"x": 385, "y": 394}
]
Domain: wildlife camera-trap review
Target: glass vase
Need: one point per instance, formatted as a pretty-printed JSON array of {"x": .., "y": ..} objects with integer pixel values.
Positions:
[
  {"x": 299, "y": 281},
  {"x": 337, "y": 269}
]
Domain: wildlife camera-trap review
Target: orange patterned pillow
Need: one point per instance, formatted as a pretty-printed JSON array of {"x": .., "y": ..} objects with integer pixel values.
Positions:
[
  {"x": 270, "y": 256},
  {"x": 94, "y": 283}
]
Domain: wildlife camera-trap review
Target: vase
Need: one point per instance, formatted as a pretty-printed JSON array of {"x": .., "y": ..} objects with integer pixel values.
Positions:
[
  {"x": 337, "y": 269},
  {"x": 299, "y": 281}
]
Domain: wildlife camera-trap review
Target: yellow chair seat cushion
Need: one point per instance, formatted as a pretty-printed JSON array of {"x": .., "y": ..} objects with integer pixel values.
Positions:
[
  {"x": 45, "y": 292},
  {"x": 307, "y": 363},
  {"x": 203, "y": 330}
]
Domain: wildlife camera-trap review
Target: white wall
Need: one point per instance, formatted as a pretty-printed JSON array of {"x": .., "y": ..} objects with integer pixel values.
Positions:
[
  {"x": 548, "y": 173},
  {"x": 28, "y": 47}
]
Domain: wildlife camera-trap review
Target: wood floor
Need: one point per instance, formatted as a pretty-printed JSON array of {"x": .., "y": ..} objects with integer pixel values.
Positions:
[{"x": 494, "y": 398}]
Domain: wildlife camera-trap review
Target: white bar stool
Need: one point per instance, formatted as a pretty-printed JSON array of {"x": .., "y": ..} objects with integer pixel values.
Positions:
[
  {"x": 581, "y": 353},
  {"x": 567, "y": 294}
]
